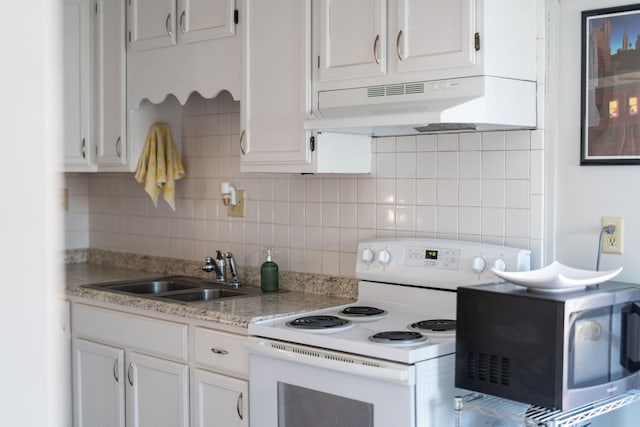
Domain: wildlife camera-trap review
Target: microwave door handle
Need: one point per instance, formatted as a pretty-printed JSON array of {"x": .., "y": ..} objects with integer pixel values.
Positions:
[{"x": 630, "y": 337}]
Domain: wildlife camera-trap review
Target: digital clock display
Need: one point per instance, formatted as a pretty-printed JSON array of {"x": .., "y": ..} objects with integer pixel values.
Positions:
[{"x": 431, "y": 254}]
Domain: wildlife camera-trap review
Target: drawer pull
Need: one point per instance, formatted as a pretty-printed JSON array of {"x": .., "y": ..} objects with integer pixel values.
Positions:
[{"x": 218, "y": 351}]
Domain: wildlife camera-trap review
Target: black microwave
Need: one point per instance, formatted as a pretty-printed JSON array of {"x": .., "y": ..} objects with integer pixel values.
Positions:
[{"x": 557, "y": 350}]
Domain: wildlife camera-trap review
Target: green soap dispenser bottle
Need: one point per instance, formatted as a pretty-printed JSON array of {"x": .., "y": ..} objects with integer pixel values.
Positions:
[{"x": 269, "y": 274}]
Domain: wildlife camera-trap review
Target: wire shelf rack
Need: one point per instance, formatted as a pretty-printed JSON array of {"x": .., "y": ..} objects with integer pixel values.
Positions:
[{"x": 536, "y": 416}]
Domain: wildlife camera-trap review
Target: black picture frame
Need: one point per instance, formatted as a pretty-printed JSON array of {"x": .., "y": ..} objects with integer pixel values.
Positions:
[{"x": 610, "y": 86}]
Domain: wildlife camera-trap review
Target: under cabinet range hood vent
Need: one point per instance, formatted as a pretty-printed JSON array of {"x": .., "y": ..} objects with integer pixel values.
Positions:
[{"x": 463, "y": 104}]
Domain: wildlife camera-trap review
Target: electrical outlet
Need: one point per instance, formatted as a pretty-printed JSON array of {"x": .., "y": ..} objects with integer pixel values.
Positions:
[
  {"x": 613, "y": 243},
  {"x": 239, "y": 209}
]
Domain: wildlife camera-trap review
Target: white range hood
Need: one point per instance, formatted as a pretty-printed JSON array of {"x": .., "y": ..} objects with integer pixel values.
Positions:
[{"x": 474, "y": 103}]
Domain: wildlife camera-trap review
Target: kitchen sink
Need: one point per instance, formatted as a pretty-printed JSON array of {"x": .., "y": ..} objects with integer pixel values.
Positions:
[
  {"x": 180, "y": 289},
  {"x": 203, "y": 295},
  {"x": 153, "y": 287}
]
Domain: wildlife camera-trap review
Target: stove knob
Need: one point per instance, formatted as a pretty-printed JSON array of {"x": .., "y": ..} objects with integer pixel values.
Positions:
[
  {"x": 367, "y": 256},
  {"x": 500, "y": 264},
  {"x": 384, "y": 256},
  {"x": 478, "y": 265}
]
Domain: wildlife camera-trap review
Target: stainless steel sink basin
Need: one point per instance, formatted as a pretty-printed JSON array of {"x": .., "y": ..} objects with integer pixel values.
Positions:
[
  {"x": 153, "y": 287},
  {"x": 203, "y": 295},
  {"x": 180, "y": 289}
]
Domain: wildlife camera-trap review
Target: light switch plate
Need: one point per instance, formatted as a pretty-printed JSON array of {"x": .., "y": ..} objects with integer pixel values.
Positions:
[{"x": 239, "y": 209}]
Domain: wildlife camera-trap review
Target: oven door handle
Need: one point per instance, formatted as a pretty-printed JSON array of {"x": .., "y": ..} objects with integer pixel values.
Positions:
[
  {"x": 630, "y": 337},
  {"x": 336, "y": 361}
]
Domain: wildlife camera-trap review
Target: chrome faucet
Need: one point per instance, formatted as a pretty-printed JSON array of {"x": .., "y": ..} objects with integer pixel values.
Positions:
[{"x": 219, "y": 265}]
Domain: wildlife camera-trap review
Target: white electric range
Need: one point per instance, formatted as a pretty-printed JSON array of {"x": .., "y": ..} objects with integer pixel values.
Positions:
[{"x": 385, "y": 360}]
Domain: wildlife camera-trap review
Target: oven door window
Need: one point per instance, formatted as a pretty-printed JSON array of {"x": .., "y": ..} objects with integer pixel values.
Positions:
[
  {"x": 290, "y": 392},
  {"x": 300, "y": 406}
]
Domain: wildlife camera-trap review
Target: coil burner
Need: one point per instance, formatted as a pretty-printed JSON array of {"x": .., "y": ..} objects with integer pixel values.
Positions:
[
  {"x": 398, "y": 337},
  {"x": 320, "y": 323}
]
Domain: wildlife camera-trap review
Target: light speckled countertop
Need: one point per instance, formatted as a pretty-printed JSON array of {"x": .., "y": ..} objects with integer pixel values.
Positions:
[{"x": 234, "y": 312}]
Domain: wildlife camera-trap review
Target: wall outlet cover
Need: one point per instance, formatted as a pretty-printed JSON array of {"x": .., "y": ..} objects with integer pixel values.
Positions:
[{"x": 613, "y": 243}]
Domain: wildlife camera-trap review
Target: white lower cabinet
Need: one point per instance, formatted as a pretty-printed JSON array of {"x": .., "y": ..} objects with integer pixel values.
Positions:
[
  {"x": 157, "y": 392},
  {"x": 128, "y": 370},
  {"x": 219, "y": 400},
  {"x": 131, "y": 370},
  {"x": 98, "y": 384}
]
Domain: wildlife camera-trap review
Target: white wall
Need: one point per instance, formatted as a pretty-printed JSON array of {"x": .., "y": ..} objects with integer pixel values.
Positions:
[{"x": 583, "y": 194}]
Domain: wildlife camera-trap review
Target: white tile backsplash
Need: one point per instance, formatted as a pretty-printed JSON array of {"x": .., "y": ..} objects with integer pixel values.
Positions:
[{"x": 474, "y": 186}]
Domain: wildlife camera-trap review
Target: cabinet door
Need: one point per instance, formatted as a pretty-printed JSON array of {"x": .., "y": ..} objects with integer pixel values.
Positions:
[
  {"x": 276, "y": 84},
  {"x": 219, "y": 401},
  {"x": 433, "y": 34},
  {"x": 353, "y": 39},
  {"x": 206, "y": 19},
  {"x": 158, "y": 392},
  {"x": 152, "y": 24},
  {"x": 110, "y": 89},
  {"x": 98, "y": 385},
  {"x": 77, "y": 85}
]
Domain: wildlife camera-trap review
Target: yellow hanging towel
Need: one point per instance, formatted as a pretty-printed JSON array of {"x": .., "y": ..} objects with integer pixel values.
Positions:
[{"x": 159, "y": 165}]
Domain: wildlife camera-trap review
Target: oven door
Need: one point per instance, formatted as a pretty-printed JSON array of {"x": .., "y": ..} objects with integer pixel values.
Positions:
[{"x": 293, "y": 385}]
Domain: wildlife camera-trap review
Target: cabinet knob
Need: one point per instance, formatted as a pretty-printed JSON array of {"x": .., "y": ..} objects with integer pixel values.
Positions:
[
  {"x": 83, "y": 148},
  {"x": 118, "y": 149},
  {"x": 219, "y": 351}
]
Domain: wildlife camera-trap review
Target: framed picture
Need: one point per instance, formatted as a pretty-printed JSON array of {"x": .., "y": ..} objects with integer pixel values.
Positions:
[{"x": 610, "y": 100}]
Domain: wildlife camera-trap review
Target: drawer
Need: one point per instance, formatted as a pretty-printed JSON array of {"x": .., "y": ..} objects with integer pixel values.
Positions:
[
  {"x": 153, "y": 336},
  {"x": 220, "y": 351}
]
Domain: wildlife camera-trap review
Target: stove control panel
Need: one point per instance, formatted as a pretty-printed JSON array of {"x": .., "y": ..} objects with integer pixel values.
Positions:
[{"x": 436, "y": 262}]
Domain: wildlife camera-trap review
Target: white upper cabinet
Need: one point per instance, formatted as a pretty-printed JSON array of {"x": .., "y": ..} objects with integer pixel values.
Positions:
[
  {"x": 277, "y": 95},
  {"x": 109, "y": 57},
  {"x": 385, "y": 42},
  {"x": 177, "y": 47},
  {"x": 353, "y": 38},
  {"x": 206, "y": 19},
  {"x": 78, "y": 142},
  {"x": 94, "y": 86},
  {"x": 160, "y": 23},
  {"x": 153, "y": 23},
  {"x": 432, "y": 34}
]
